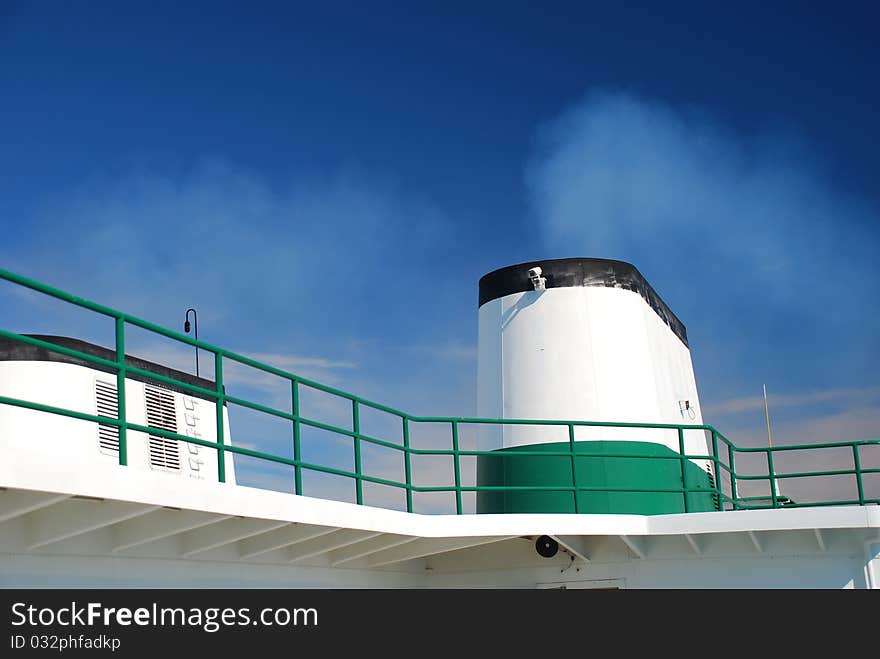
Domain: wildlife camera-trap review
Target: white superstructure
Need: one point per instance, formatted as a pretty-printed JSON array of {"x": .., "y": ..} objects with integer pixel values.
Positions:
[
  {"x": 71, "y": 515},
  {"x": 594, "y": 353},
  {"x": 138, "y": 529},
  {"x": 31, "y": 439}
]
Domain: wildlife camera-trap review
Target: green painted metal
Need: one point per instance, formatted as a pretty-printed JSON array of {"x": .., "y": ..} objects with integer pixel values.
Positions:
[
  {"x": 732, "y": 464},
  {"x": 407, "y": 465},
  {"x": 857, "y": 465},
  {"x": 578, "y": 462},
  {"x": 574, "y": 476},
  {"x": 684, "y": 468},
  {"x": 774, "y": 496},
  {"x": 356, "y": 429},
  {"x": 625, "y": 477},
  {"x": 457, "y": 467},
  {"x": 716, "y": 470},
  {"x": 807, "y": 474},
  {"x": 221, "y": 456},
  {"x": 297, "y": 445},
  {"x": 120, "y": 390}
]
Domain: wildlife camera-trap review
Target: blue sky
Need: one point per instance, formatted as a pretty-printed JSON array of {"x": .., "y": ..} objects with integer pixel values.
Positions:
[{"x": 330, "y": 181}]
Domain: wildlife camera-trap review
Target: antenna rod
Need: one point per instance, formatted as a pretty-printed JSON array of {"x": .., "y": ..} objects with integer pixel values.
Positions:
[{"x": 774, "y": 484}]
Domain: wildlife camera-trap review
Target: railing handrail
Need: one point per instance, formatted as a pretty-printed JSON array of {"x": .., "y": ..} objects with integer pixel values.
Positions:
[{"x": 220, "y": 398}]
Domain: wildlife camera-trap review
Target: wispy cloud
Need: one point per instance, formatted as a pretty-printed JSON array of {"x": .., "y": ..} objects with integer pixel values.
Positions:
[
  {"x": 312, "y": 277},
  {"x": 313, "y": 368},
  {"x": 294, "y": 362},
  {"x": 448, "y": 351},
  {"x": 299, "y": 261},
  {"x": 766, "y": 257},
  {"x": 629, "y": 177},
  {"x": 850, "y": 397},
  {"x": 306, "y": 275},
  {"x": 180, "y": 356}
]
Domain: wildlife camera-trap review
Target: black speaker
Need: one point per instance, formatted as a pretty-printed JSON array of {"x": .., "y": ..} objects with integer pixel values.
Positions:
[{"x": 546, "y": 546}]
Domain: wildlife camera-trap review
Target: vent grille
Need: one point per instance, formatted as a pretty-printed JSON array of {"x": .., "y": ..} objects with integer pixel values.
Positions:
[
  {"x": 715, "y": 499},
  {"x": 106, "y": 400},
  {"x": 161, "y": 413}
]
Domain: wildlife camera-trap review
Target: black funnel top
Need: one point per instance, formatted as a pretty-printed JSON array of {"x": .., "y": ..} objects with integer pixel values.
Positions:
[{"x": 568, "y": 273}]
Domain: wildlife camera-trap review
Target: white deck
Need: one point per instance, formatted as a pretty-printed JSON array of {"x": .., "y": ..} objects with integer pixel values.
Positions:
[{"x": 125, "y": 527}]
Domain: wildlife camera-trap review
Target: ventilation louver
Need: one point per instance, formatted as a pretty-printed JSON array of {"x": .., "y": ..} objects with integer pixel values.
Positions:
[
  {"x": 106, "y": 400},
  {"x": 161, "y": 413},
  {"x": 712, "y": 484}
]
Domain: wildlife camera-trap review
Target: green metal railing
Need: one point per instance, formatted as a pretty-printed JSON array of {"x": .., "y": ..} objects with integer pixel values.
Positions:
[{"x": 725, "y": 489}]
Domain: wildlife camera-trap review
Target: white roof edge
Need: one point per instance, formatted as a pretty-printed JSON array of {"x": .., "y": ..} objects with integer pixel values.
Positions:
[{"x": 159, "y": 489}]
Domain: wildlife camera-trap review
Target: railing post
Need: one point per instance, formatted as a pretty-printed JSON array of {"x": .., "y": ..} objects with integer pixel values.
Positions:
[
  {"x": 356, "y": 429},
  {"x": 120, "y": 390},
  {"x": 297, "y": 445},
  {"x": 734, "y": 491},
  {"x": 221, "y": 454},
  {"x": 716, "y": 471},
  {"x": 857, "y": 465},
  {"x": 458, "y": 507},
  {"x": 117, "y": 363},
  {"x": 683, "y": 467},
  {"x": 574, "y": 483},
  {"x": 772, "y": 473},
  {"x": 407, "y": 466}
]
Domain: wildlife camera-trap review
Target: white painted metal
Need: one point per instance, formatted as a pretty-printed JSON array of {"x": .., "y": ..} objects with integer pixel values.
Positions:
[
  {"x": 224, "y": 533},
  {"x": 367, "y": 547},
  {"x": 157, "y": 525},
  {"x": 636, "y": 545},
  {"x": 285, "y": 536},
  {"x": 872, "y": 562},
  {"x": 74, "y": 517},
  {"x": 329, "y": 543},
  {"x": 71, "y": 516},
  {"x": 694, "y": 543},
  {"x": 58, "y": 444},
  {"x": 583, "y": 353},
  {"x": 429, "y": 547},
  {"x": 574, "y": 545},
  {"x": 17, "y": 503},
  {"x": 257, "y": 533},
  {"x": 585, "y": 584}
]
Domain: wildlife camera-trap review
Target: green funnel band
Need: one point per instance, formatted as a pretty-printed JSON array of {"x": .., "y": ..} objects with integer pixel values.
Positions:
[{"x": 507, "y": 468}]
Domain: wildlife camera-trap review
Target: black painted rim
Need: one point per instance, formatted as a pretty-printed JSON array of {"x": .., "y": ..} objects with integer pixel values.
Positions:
[
  {"x": 11, "y": 350},
  {"x": 578, "y": 272}
]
